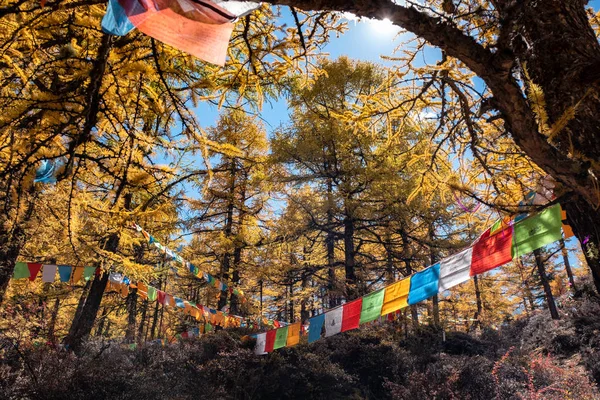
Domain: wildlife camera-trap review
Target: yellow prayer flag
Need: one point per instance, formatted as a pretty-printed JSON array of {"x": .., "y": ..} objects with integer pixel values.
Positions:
[
  {"x": 77, "y": 274},
  {"x": 396, "y": 296},
  {"x": 293, "y": 337}
]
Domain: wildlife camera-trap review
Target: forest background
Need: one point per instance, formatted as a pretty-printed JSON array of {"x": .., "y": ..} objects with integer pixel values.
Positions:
[{"x": 316, "y": 181}]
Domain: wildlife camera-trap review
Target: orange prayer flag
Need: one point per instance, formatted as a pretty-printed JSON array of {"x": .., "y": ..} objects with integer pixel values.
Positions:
[
  {"x": 567, "y": 230},
  {"x": 396, "y": 296},
  {"x": 293, "y": 337},
  {"x": 77, "y": 274}
]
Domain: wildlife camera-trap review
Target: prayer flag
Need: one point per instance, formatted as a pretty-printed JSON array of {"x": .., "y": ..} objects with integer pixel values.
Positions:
[
  {"x": 351, "y": 315},
  {"x": 34, "y": 269},
  {"x": 261, "y": 341},
  {"x": 371, "y": 306},
  {"x": 77, "y": 274},
  {"x": 333, "y": 321},
  {"x": 88, "y": 272},
  {"x": 64, "y": 272},
  {"x": 424, "y": 284},
  {"x": 396, "y": 296},
  {"x": 501, "y": 224},
  {"x": 270, "y": 340},
  {"x": 293, "y": 337},
  {"x": 199, "y": 27},
  {"x": 537, "y": 231},
  {"x": 492, "y": 251},
  {"x": 49, "y": 273},
  {"x": 315, "y": 328},
  {"x": 21, "y": 271},
  {"x": 455, "y": 269},
  {"x": 169, "y": 301},
  {"x": 280, "y": 338},
  {"x": 152, "y": 293},
  {"x": 115, "y": 21},
  {"x": 161, "y": 297},
  {"x": 179, "y": 302},
  {"x": 567, "y": 230}
]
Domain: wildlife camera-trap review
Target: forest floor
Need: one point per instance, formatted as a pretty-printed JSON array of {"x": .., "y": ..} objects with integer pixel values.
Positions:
[{"x": 532, "y": 357}]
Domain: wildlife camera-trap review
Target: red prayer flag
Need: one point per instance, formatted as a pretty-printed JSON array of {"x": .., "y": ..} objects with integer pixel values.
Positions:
[
  {"x": 493, "y": 251},
  {"x": 161, "y": 297},
  {"x": 34, "y": 269},
  {"x": 198, "y": 27},
  {"x": 351, "y": 315},
  {"x": 270, "y": 340}
]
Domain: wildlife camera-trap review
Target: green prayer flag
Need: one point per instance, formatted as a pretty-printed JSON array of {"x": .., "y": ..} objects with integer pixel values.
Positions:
[
  {"x": 88, "y": 272},
  {"x": 537, "y": 231},
  {"x": 280, "y": 338},
  {"x": 371, "y": 306},
  {"x": 21, "y": 270},
  {"x": 208, "y": 327},
  {"x": 152, "y": 294}
]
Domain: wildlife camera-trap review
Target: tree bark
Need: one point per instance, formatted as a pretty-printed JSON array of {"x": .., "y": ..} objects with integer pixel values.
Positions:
[
  {"x": 563, "y": 248},
  {"x": 131, "y": 302},
  {"x": 546, "y": 284},
  {"x": 585, "y": 221},
  {"x": 330, "y": 248},
  {"x": 82, "y": 327},
  {"x": 52, "y": 325},
  {"x": 11, "y": 242},
  {"x": 143, "y": 324},
  {"x": 349, "y": 262},
  {"x": 477, "y": 322}
]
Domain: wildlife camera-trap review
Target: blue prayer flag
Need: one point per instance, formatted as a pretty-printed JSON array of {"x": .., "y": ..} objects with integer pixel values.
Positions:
[
  {"x": 115, "y": 21},
  {"x": 315, "y": 327},
  {"x": 424, "y": 284},
  {"x": 64, "y": 271}
]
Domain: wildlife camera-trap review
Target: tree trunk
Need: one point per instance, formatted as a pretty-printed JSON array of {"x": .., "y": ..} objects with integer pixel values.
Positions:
[
  {"x": 82, "y": 327},
  {"x": 349, "y": 262},
  {"x": 547, "y": 290},
  {"x": 477, "y": 322},
  {"x": 568, "y": 269},
  {"x": 52, "y": 325},
  {"x": 228, "y": 230},
  {"x": 101, "y": 321},
  {"x": 131, "y": 302},
  {"x": 140, "y": 334},
  {"x": 585, "y": 221},
  {"x": 330, "y": 248},
  {"x": 11, "y": 243}
]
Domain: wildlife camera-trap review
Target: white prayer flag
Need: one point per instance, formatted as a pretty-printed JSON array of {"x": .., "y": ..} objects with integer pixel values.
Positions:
[
  {"x": 455, "y": 269},
  {"x": 261, "y": 341},
  {"x": 333, "y": 321},
  {"x": 49, "y": 273}
]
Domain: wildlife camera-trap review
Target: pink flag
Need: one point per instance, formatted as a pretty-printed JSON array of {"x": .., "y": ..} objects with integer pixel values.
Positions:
[{"x": 198, "y": 27}]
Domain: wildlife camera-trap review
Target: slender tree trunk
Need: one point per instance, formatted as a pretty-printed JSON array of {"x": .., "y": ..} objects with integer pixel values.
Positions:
[
  {"x": 477, "y": 322},
  {"x": 330, "y": 248},
  {"x": 349, "y": 262},
  {"x": 11, "y": 243},
  {"x": 546, "y": 284},
  {"x": 140, "y": 334},
  {"x": 102, "y": 321},
  {"x": 52, "y": 325},
  {"x": 304, "y": 314},
  {"x": 434, "y": 300},
  {"x": 131, "y": 315},
  {"x": 406, "y": 253},
  {"x": 568, "y": 269},
  {"x": 154, "y": 320},
  {"x": 228, "y": 230},
  {"x": 82, "y": 327}
]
